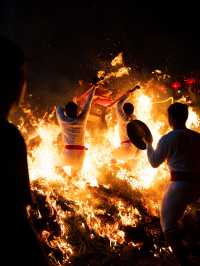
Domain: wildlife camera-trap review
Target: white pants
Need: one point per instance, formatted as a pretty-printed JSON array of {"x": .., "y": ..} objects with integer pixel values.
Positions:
[{"x": 176, "y": 199}]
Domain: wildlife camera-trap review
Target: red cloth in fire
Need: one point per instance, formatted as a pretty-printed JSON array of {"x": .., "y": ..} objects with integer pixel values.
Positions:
[{"x": 102, "y": 97}]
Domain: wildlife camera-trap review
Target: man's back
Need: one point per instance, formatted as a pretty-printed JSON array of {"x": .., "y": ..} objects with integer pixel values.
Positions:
[
  {"x": 73, "y": 130},
  {"x": 183, "y": 150}
]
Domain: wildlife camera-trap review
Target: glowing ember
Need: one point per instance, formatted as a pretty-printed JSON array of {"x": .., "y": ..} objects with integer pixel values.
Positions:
[
  {"x": 118, "y": 60},
  {"x": 190, "y": 81},
  {"x": 176, "y": 85}
]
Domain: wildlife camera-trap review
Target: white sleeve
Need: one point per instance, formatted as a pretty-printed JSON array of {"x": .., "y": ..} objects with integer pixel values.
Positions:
[
  {"x": 120, "y": 104},
  {"x": 87, "y": 105},
  {"x": 159, "y": 155}
]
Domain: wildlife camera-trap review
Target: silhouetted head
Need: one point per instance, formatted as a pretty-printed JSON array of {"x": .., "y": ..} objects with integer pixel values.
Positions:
[
  {"x": 71, "y": 109},
  {"x": 177, "y": 115},
  {"x": 12, "y": 75},
  {"x": 128, "y": 109}
]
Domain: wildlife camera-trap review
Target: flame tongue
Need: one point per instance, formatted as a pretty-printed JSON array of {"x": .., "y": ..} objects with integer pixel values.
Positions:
[{"x": 109, "y": 196}]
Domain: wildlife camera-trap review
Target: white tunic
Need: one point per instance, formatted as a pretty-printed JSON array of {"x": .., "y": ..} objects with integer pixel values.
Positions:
[
  {"x": 181, "y": 149},
  {"x": 74, "y": 129},
  {"x": 123, "y": 119}
]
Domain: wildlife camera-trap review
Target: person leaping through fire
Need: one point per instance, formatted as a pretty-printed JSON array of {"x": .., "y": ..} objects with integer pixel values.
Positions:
[
  {"x": 180, "y": 148},
  {"x": 73, "y": 126},
  {"x": 21, "y": 245},
  {"x": 125, "y": 114}
]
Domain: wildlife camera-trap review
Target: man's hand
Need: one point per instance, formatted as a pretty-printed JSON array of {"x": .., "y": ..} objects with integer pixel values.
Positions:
[{"x": 134, "y": 89}]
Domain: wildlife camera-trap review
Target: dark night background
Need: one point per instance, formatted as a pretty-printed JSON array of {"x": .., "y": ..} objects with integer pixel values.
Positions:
[{"x": 65, "y": 43}]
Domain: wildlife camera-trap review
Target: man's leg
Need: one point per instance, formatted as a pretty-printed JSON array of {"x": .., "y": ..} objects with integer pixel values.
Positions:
[
  {"x": 173, "y": 238},
  {"x": 175, "y": 201},
  {"x": 78, "y": 162}
]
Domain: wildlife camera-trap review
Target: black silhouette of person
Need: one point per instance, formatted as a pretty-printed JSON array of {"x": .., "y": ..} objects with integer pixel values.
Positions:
[{"x": 19, "y": 243}]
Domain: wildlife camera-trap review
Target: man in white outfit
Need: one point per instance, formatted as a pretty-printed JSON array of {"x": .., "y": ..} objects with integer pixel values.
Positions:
[
  {"x": 73, "y": 127},
  {"x": 125, "y": 114},
  {"x": 180, "y": 148}
]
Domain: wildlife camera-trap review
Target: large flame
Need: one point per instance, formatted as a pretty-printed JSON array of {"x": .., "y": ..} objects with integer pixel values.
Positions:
[{"x": 45, "y": 161}]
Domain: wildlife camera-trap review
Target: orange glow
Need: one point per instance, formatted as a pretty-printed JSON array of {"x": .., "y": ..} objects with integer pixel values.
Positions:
[{"x": 45, "y": 161}]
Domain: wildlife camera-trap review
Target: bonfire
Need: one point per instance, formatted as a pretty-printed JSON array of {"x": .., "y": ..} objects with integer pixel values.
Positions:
[{"x": 109, "y": 215}]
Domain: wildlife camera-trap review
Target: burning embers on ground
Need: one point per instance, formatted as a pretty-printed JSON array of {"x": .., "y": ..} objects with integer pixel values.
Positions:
[{"x": 109, "y": 214}]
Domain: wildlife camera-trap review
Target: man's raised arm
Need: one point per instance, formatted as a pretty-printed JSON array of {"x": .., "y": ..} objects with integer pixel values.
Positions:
[{"x": 88, "y": 103}]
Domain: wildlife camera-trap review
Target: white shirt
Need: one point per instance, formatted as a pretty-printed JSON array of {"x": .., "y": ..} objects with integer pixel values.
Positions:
[
  {"x": 74, "y": 129},
  {"x": 123, "y": 119},
  {"x": 181, "y": 149}
]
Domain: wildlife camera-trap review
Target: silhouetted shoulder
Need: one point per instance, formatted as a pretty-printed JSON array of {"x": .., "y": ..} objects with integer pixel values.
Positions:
[
  {"x": 193, "y": 133},
  {"x": 9, "y": 132},
  {"x": 179, "y": 132},
  {"x": 14, "y": 166},
  {"x": 167, "y": 137},
  {"x": 182, "y": 137}
]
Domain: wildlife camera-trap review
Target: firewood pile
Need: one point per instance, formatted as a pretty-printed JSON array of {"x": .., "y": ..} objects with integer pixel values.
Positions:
[{"x": 144, "y": 244}]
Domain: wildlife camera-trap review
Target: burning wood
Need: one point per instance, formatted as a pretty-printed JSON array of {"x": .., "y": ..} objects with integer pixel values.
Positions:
[
  {"x": 118, "y": 60},
  {"x": 109, "y": 216}
]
